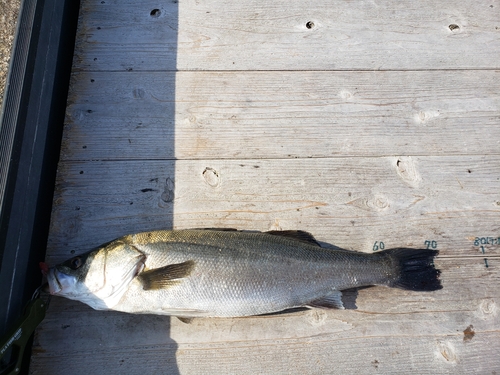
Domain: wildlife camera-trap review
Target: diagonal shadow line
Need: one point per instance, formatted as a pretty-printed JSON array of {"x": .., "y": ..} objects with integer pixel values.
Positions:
[
  {"x": 164, "y": 20},
  {"x": 131, "y": 328}
]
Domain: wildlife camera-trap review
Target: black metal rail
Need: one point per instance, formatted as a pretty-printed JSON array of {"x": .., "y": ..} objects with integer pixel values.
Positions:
[{"x": 30, "y": 137}]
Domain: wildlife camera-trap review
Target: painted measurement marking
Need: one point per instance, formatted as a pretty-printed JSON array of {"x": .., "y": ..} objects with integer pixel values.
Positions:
[
  {"x": 481, "y": 242},
  {"x": 487, "y": 241},
  {"x": 431, "y": 244},
  {"x": 378, "y": 246}
]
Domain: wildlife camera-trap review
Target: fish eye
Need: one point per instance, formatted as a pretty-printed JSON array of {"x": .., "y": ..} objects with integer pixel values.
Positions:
[{"x": 76, "y": 263}]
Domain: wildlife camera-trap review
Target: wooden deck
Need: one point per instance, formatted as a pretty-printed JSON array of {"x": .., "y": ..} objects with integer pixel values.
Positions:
[{"x": 366, "y": 123}]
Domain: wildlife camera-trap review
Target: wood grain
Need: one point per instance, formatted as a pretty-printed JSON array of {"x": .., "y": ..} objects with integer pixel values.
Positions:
[
  {"x": 367, "y": 123},
  {"x": 348, "y": 202},
  {"x": 390, "y": 330},
  {"x": 287, "y": 115},
  {"x": 263, "y": 35}
]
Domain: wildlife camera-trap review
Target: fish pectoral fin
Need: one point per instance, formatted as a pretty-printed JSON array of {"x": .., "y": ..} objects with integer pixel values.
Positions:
[
  {"x": 330, "y": 301},
  {"x": 298, "y": 235},
  {"x": 164, "y": 277}
]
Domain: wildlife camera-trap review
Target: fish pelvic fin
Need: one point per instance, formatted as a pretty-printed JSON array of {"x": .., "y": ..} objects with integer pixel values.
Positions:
[
  {"x": 416, "y": 269},
  {"x": 164, "y": 277},
  {"x": 332, "y": 300}
]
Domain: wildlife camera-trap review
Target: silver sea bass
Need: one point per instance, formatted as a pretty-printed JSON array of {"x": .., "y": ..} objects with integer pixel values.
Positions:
[{"x": 218, "y": 273}]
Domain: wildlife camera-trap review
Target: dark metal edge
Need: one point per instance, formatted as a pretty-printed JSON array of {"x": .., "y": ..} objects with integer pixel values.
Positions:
[{"x": 30, "y": 137}]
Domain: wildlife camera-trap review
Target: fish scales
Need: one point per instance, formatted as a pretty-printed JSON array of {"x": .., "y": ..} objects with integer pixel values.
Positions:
[
  {"x": 265, "y": 272},
  {"x": 194, "y": 273}
]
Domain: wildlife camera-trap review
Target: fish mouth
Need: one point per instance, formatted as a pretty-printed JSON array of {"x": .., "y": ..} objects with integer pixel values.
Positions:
[
  {"x": 54, "y": 284},
  {"x": 59, "y": 282}
]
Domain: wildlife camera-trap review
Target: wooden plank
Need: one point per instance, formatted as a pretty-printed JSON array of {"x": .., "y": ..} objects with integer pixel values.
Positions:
[
  {"x": 287, "y": 115},
  {"x": 284, "y": 35},
  {"x": 452, "y": 331},
  {"x": 206, "y": 113},
  {"x": 348, "y": 202},
  {"x": 423, "y": 355}
]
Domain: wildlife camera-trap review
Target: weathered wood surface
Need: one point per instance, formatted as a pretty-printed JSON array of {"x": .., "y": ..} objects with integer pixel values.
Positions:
[
  {"x": 274, "y": 35},
  {"x": 129, "y": 115},
  {"x": 348, "y": 202},
  {"x": 392, "y": 331},
  {"x": 379, "y": 123}
]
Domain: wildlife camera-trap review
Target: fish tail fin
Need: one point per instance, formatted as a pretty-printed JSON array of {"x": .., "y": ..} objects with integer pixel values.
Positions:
[{"x": 416, "y": 269}]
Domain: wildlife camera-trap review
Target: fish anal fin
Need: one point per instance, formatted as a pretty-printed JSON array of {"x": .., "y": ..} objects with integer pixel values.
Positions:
[
  {"x": 298, "y": 235},
  {"x": 332, "y": 300},
  {"x": 160, "y": 278}
]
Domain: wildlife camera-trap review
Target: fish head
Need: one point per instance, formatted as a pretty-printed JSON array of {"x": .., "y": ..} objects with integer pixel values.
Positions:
[{"x": 99, "y": 277}]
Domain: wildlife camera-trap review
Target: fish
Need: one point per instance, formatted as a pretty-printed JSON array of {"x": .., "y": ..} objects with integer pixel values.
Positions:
[{"x": 228, "y": 273}]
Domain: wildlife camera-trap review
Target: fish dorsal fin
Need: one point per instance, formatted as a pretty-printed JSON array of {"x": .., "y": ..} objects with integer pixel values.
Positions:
[
  {"x": 218, "y": 229},
  {"x": 164, "y": 277},
  {"x": 330, "y": 301},
  {"x": 185, "y": 320},
  {"x": 298, "y": 235}
]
